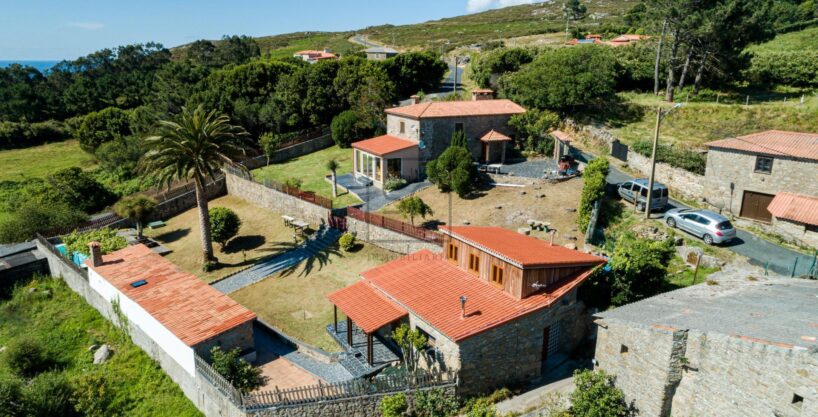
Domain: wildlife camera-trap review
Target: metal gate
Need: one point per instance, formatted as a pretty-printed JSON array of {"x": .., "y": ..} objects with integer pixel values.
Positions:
[{"x": 754, "y": 206}]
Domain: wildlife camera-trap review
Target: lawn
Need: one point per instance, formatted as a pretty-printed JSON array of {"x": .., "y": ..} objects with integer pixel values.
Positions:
[
  {"x": 39, "y": 161},
  {"x": 295, "y": 300},
  {"x": 262, "y": 234},
  {"x": 556, "y": 207},
  {"x": 311, "y": 169},
  {"x": 49, "y": 313},
  {"x": 283, "y": 46}
]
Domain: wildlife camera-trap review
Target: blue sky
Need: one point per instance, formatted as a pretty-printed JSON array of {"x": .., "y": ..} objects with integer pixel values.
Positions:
[{"x": 66, "y": 29}]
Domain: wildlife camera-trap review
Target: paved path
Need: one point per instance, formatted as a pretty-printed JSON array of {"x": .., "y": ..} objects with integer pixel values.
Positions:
[
  {"x": 271, "y": 347},
  {"x": 374, "y": 198},
  {"x": 759, "y": 251},
  {"x": 280, "y": 262}
]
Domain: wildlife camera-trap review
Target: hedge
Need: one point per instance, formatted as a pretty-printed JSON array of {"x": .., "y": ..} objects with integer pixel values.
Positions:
[
  {"x": 22, "y": 134},
  {"x": 686, "y": 159}
]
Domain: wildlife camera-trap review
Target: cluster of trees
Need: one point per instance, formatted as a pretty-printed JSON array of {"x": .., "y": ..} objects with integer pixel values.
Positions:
[{"x": 454, "y": 169}]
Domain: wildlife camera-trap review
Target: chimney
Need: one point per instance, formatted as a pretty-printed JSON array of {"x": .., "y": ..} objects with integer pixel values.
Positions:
[
  {"x": 415, "y": 98},
  {"x": 463, "y": 306},
  {"x": 482, "y": 94},
  {"x": 552, "y": 233},
  {"x": 96, "y": 253}
]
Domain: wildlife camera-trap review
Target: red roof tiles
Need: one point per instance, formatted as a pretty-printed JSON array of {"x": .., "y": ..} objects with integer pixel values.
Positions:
[
  {"x": 458, "y": 109},
  {"x": 184, "y": 304},
  {"x": 495, "y": 136},
  {"x": 775, "y": 143},
  {"x": 384, "y": 145},
  {"x": 519, "y": 249},
  {"x": 797, "y": 207},
  {"x": 367, "y": 307},
  {"x": 429, "y": 287},
  {"x": 562, "y": 136}
]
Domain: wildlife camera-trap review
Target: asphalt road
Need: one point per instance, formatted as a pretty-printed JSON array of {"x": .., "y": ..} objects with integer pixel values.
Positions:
[{"x": 760, "y": 252}]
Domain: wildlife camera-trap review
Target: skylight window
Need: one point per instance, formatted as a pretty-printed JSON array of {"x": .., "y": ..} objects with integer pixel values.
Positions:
[{"x": 137, "y": 284}]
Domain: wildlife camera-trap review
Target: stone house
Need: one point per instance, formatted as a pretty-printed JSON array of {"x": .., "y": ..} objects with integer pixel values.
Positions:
[
  {"x": 744, "y": 174},
  {"x": 495, "y": 306},
  {"x": 379, "y": 53},
  {"x": 420, "y": 132},
  {"x": 745, "y": 346},
  {"x": 183, "y": 315},
  {"x": 795, "y": 217}
]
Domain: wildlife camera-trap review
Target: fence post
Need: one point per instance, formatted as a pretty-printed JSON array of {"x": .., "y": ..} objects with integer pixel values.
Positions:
[{"x": 794, "y": 266}]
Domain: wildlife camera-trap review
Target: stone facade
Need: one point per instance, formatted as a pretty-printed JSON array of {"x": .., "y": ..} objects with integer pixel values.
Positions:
[
  {"x": 240, "y": 337},
  {"x": 274, "y": 200},
  {"x": 685, "y": 183},
  {"x": 795, "y": 232},
  {"x": 388, "y": 239},
  {"x": 691, "y": 373},
  {"x": 725, "y": 166}
]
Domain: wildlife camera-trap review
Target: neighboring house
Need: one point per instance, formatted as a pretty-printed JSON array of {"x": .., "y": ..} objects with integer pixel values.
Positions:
[
  {"x": 795, "y": 218},
  {"x": 745, "y": 346},
  {"x": 495, "y": 306},
  {"x": 178, "y": 311},
  {"x": 315, "y": 56},
  {"x": 380, "y": 53},
  {"x": 745, "y": 173},
  {"x": 623, "y": 40},
  {"x": 420, "y": 132}
]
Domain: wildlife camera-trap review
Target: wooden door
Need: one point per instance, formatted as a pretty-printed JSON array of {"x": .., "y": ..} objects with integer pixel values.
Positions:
[
  {"x": 754, "y": 206},
  {"x": 485, "y": 152},
  {"x": 546, "y": 336}
]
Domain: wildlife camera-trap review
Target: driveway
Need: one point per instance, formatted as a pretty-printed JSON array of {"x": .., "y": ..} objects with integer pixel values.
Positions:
[{"x": 759, "y": 251}]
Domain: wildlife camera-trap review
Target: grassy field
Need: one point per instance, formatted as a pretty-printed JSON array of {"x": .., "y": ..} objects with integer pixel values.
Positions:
[
  {"x": 262, "y": 234},
  {"x": 700, "y": 122},
  {"x": 310, "y": 169},
  {"x": 48, "y": 312},
  {"x": 802, "y": 40},
  {"x": 39, "y": 161},
  {"x": 282, "y": 46},
  {"x": 295, "y": 300}
]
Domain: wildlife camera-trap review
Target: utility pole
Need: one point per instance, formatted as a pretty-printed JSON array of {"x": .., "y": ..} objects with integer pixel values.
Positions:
[
  {"x": 454, "y": 69},
  {"x": 652, "y": 162}
]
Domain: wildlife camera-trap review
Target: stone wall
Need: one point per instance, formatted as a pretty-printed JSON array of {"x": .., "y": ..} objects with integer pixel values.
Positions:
[
  {"x": 204, "y": 396},
  {"x": 277, "y": 201},
  {"x": 171, "y": 207},
  {"x": 388, "y": 239},
  {"x": 437, "y": 133},
  {"x": 238, "y": 337},
  {"x": 689, "y": 373},
  {"x": 729, "y": 166},
  {"x": 293, "y": 151},
  {"x": 794, "y": 232}
]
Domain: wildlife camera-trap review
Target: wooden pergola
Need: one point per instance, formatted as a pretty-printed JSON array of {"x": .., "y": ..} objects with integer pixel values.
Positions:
[{"x": 493, "y": 137}]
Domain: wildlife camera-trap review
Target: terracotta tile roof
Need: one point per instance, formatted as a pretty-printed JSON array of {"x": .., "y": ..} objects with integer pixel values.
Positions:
[
  {"x": 428, "y": 286},
  {"x": 562, "y": 136},
  {"x": 775, "y": 143},
  {"x": 184, "y": 304},
  {"x": 521, "y": 250},
  {"x": 483, "y": 90},
  {"x": 384, "y": 145},
  {"x": 367, "y": 307},
  {"x": 312, "y": 54},
  {"x": 495, "y": 136},
  {"x": 458, "y": 109},
  {"x": 798, "y": 207}
]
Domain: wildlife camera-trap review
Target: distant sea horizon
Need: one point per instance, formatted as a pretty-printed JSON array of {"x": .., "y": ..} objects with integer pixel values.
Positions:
[{"x": 41, "y": 65}]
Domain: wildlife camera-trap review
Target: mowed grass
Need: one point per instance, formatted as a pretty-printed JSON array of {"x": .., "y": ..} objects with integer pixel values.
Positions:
[
  {"x": 295, "y": 300},
  {"x": 699, "y": 122},
  {"x": 311, "y": 170},
  {"x": 39, "y": 161},
  {"x": 47, "y": 311},
  {"x": 262, "y": 234}
]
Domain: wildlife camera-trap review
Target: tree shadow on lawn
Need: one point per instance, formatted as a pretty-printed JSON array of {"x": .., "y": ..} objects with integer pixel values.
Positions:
[
  {"x": 275, "y": 250},
  {"x": 244, "y": 243},
  {"x": 319, "y": 261},
  {"x": 173, "y": 235}
]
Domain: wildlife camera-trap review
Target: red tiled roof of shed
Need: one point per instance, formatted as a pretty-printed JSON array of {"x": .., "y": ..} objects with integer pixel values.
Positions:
[
  {"x": 183, "y": 303},
  {"x": 458, "y": 109},
  {"x": 562, "y": 136},
  {"x": 495, "y": 136},
  {"x": 366, "y": 306},
  {"x": 797, "y": 207},
  {"x": 384, "y": 145},
  {"x": 519, "y": 249},
  {"x": 773, "y": 142}
]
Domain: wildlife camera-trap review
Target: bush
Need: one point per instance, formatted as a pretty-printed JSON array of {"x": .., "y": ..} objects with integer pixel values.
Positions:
[
  {"x": 683, "y": 158},
  {"x": 293, "y": 182},
  {"x": 596, "y": 396},
  {"x": 488, "y": 66},
  {"x": 453, "y": 170},
  {"x": 237, "y": 371},
  {"x": 593, "y": 189},
  {"x": 393, "y": 183},
  {"x": 138, "y": 208},
  {"x": 79, "y": 189},
  {"x": 49, "y": 394},
  {"x": 393, "y": 405},
  {"x": 121, "y": 155},
  {"x": 345, "y": 128},
  {"x": 108, "y": 239},
  {"x": 793, "y": 68},
  {"x": 638, "y": 268},
  {"x": 414, "y": 206},
  {"x": 434, "y": 403},
  {"x": 102, "y": 126},
  {"x": 224, "y": 224},
  {"x": 481, "y": 407},
  {"x": 27, "y": 357},
  {"x": 32, "y": 217},
  {"x": 347, "y": 241},
  {"x": 11, "y": 397},
  {"x": 23, "y": 134},
  {"x": 93, "y": 396},
  {"x": 534, "y": 126}
]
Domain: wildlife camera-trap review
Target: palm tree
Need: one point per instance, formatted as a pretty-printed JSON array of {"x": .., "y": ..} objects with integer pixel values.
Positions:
[
  {"x": 333, "y": 166},
  {"x": 194, "y": 145},
  {"x": 138, "y": 208}
]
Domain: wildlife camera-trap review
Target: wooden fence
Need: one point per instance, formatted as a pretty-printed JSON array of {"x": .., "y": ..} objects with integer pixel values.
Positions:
[
  {"x": 105, "y": 220},
  {"x": 395, "y": 225},
  {"x": 214, "y": 378},
  {"x": 347, "y": 389}
]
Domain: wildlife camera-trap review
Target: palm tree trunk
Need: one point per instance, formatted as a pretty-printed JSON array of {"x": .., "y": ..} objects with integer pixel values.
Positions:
[
  {"x": 334, "y": 185},
  {"x": 700, "y": 73},
  {"x": 204, "y": 223},
  {"x": 658, "y": 59},
  {"x": 671, "y": 70}
]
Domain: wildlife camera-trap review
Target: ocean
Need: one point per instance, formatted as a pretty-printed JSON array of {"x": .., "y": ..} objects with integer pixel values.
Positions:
[{"x": 40, "y": 65}]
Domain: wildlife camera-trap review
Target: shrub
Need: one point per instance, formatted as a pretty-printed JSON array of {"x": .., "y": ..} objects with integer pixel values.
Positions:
[
  {"x": 102, "y": 126},
  {"x": 683, "y": 158},
  {"x": 79, "y": 189},
  {"x": 92, "y": 395},
  {"x": 347, "y": 241},
  {"x": 235, "y": 370},
  {"x": 121, "y": 155},
  {"x": 453, "y": 170},
  {"x": 593, "y": 189},
  {"x": 481, "y": 407},
  {"x": 414, "y": 206},
  {"x": 138, "y": 208},
  {"x": 224, "y": 224},
  {"x": 24, "y": 134},
  {"x": 11, "y": 396},
  {"x": 793, "y": 68},
  {"x": 108, "y": 239},
  {"x": 434, "y": 403},
  {"x": 32, "y": 217},
  {"x": 534, "y": 126},
  {"x": 49, "y": 394},
  {"x": 27, "y": 357},
  {"x": 488, "y": 66},
  {"x": 345, "y": 128},
  {"x": 293, "y": 182},
  {"x": 393, "y": 183},
  {"x": 393, "y": 405},
  {"x": 596, "y": 396},
  {"x": 638, "y": 268}
]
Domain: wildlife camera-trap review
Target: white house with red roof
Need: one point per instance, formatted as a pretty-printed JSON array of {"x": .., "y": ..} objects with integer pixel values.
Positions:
[
  {"x": 495, "y": 305},
  {"x": 313, "y": 56},
  {"x": 420, "y": 132},
  {"x": 183, "y": 315}
]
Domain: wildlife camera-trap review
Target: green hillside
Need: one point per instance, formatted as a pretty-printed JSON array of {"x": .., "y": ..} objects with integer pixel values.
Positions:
[{"x": 803, "y": 40}]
